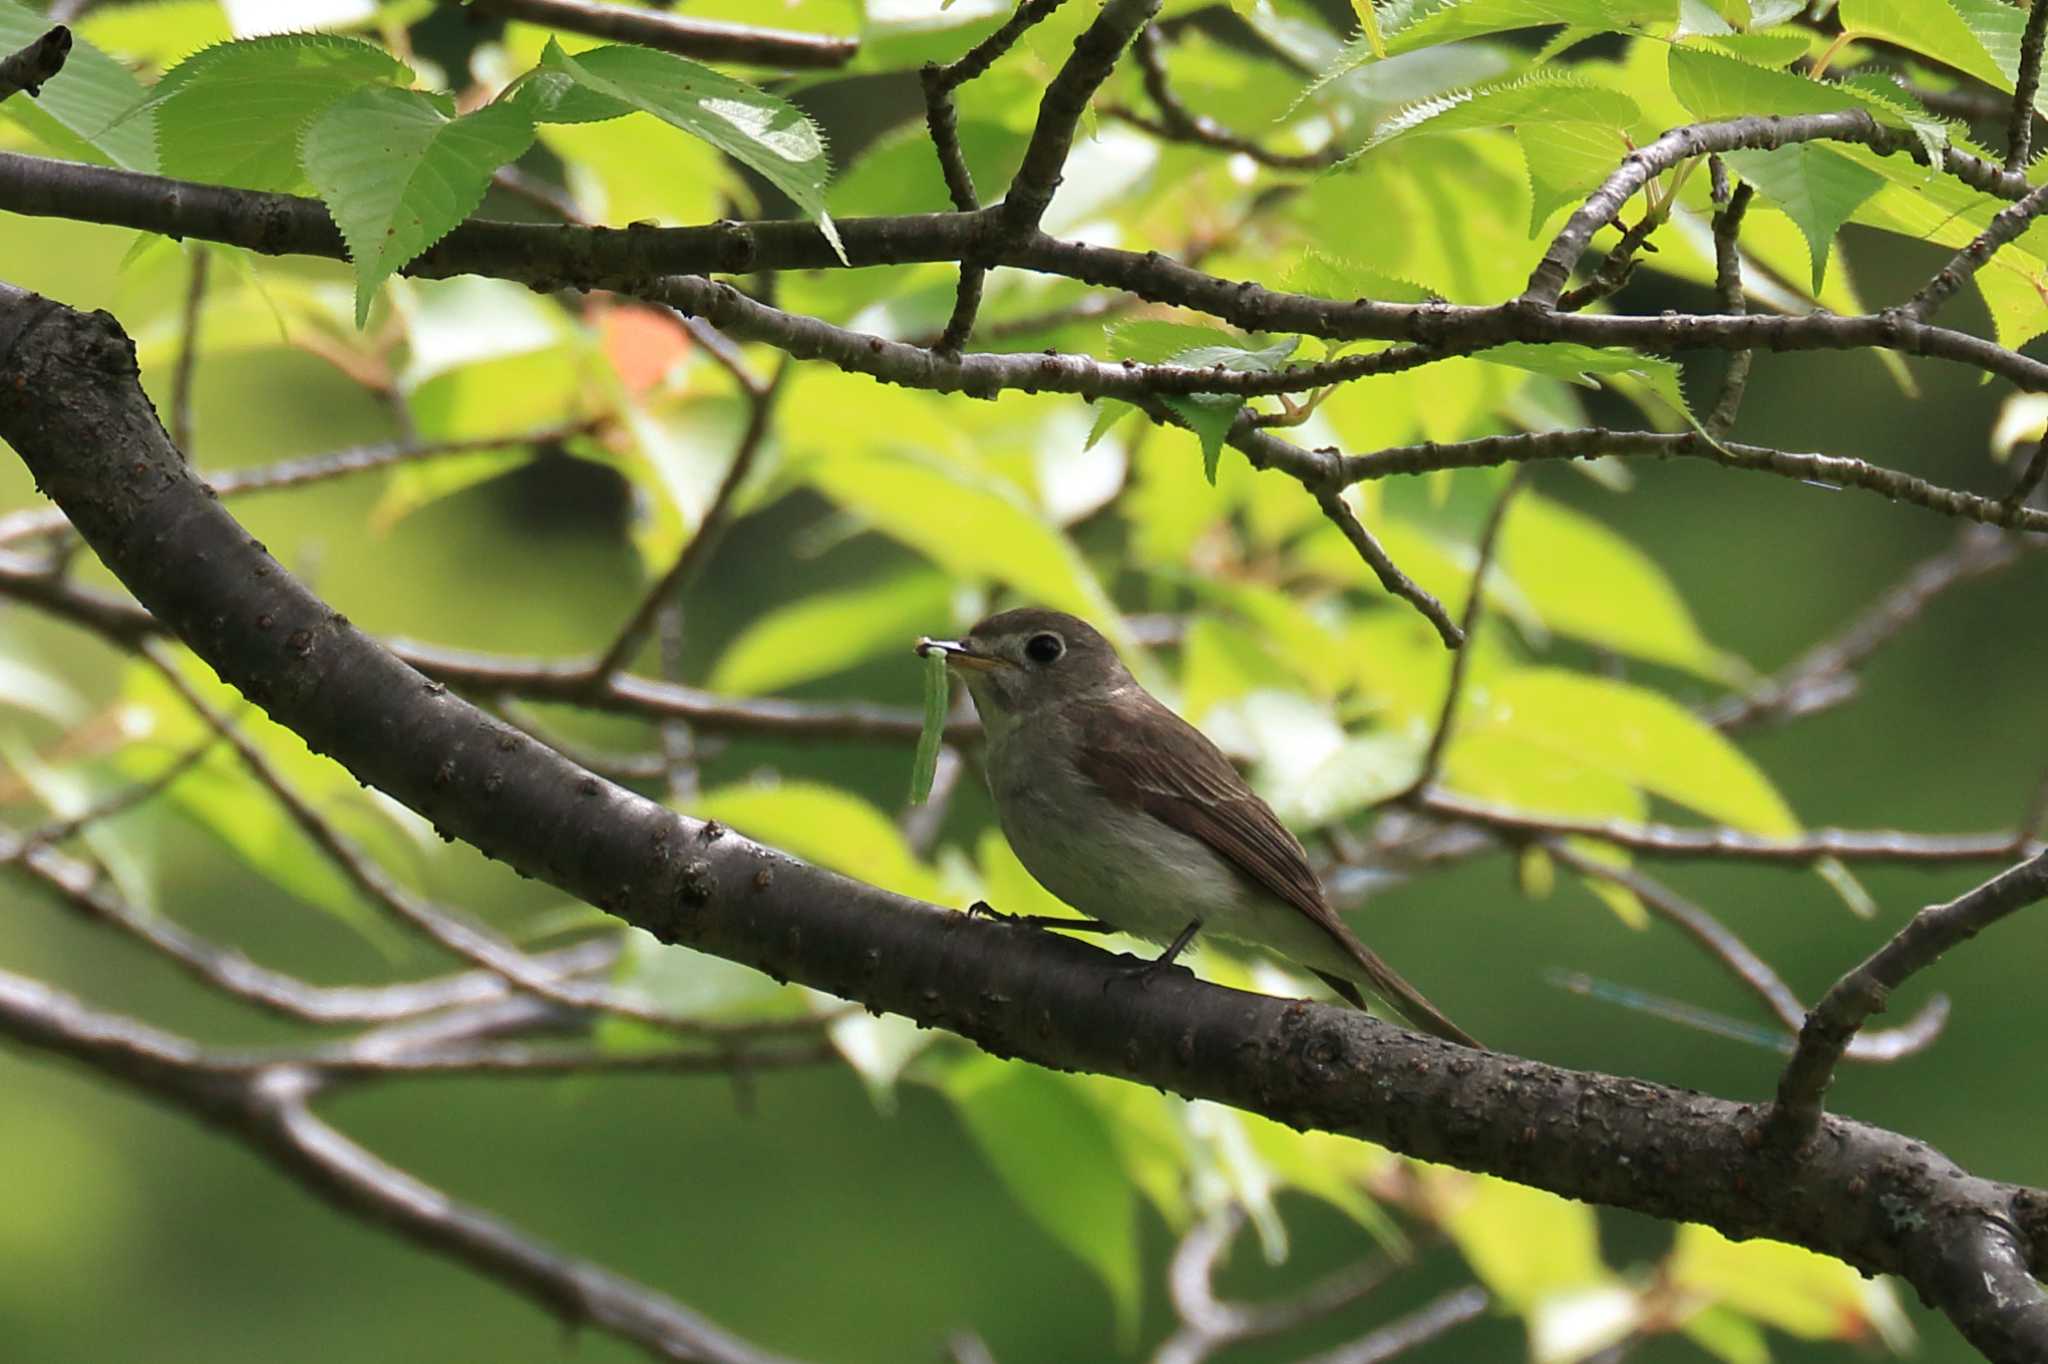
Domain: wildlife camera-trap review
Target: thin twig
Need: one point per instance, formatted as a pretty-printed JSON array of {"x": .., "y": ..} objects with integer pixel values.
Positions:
[
  {"x": 1419, "y": 1327},
  {"x": 1616, "y": 270},
  {"x": 2005, "y": 227},
  {"x": 230, "y": 972},
  {"x": 1665, "y": 840},
  {"x": 1209, "y": 1324},
  {"x": 119, "y": 802},
  {"x": 180, "y": 425},
  {"x": 1059, "y": 112},
  {"x": 1389, "y": 574},
  {"x": 705, "y": 39},
  {"x": 1865, "y": 990},
  {"x": 1454, "y": 689},
  {"x": 1588, "y": 442},
  {"x": 1825, "y": 673},
  {"x": 1728, "y": 287},
  {"x": 2020, "y": 125},
  {"x": 267, "y": 1111},
  {"x": 942, "y": 122},
  {"x": 1720, "y": 943},
  {"x": 696, "y": 552},
  {"x": 1178, "y": 123}
]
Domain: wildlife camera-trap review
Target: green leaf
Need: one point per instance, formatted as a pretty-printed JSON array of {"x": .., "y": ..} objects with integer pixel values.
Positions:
[
  {"x": 1535, "y": 100},
  {"x": 826, "y": 632},
  {"x": 1728, "y": 1336},
  {"x": 1637, "y": 736},
  {"x": 1330, "y": 276},
  {"x": 879, "y": 1047},
  {"x": 1587, "y": 582},
  {"x": 937, "y": 695},
  {"x": 1586, "y": 365},
  {"x": 236, "y": 113},
  {"x": 1979, "y": 37},
  {"x": 1787, "y": 1287},
  {"x": 79, "y": 111},
  {"x": 1817, "y": 187},
  {"x": 761, "y": 131},
  {"x": 970, "y": 524},
  {"x": 1566, "y": 161},
  {"x": 1052, "y": 1150},
  {"x": 397, "y": 172},
  {"x": 826, "y": 825},
  {"x": 1428, "y": 25},
  {"x": 1208, "y": 415},
  {"x": 1523, "y": 1243}
]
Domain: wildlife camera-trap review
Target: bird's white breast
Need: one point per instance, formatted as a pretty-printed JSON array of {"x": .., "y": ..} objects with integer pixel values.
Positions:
[{"x": 1110, "y": 862}]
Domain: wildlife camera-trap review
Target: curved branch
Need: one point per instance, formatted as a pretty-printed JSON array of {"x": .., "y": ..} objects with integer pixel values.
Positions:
[
  {"x": 572, "y": 255},
  {"x": 1757, "y": 132},
  {"x": 1849, "y": 1003}
]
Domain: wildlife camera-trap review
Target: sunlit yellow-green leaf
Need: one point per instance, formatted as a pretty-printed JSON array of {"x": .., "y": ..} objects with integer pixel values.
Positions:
[
  {"x": 1636, "y": 736},
  {"x": 822, "y": 633},
  {"x": 1787, "y": 1287},
  {"x": 822, "y": 824},
  {"x": 970, "y": 525},
  {"x": 1590, "y": 583},
  {"x": 1523, "y": 1243}
]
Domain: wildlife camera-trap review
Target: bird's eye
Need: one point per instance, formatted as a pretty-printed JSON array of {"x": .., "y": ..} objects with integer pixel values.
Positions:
[{"x": 1045, "y": 648}]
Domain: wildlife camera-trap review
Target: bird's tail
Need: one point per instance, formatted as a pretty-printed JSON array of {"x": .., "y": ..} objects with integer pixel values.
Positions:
[{"x": 1406, "y": 1000}]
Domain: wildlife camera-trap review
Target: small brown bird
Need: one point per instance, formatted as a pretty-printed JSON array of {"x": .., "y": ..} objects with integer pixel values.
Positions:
[{"x": 1132, "y": 816}]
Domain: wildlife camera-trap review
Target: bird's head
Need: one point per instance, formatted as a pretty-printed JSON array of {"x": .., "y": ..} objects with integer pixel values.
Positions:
[{"x": 1019, "y": 662}]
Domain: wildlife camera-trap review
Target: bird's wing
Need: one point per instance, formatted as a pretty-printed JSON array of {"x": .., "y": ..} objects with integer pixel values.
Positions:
[{"x": 1148, "y": 757}]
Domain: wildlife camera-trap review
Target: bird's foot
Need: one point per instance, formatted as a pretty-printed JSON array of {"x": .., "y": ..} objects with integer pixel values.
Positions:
[{"x": 1144, "y": 973}]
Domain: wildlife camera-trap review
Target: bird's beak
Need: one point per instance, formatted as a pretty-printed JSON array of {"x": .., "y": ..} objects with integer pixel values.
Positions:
[{"x": 960, "y": 654}]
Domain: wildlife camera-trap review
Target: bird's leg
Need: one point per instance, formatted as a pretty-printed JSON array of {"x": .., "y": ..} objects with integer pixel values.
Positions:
[
  {"x": 982, "y": 909},
  {"x": 1164, "y": 961}
]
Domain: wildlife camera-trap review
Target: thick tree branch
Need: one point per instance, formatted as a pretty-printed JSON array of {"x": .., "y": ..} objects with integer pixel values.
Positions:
[
  {"x": 71, "y": 407},
  {"x": 705, "y": 39}
]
